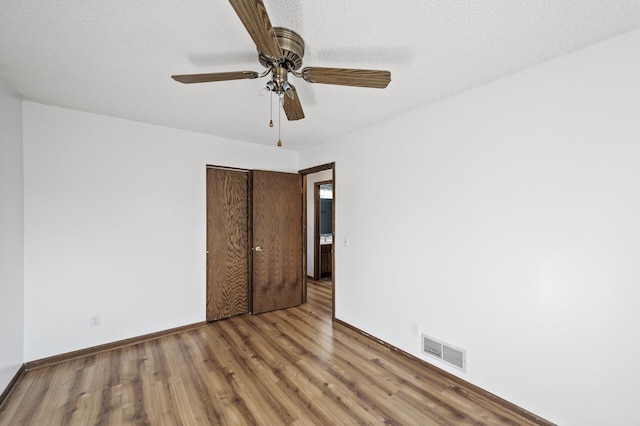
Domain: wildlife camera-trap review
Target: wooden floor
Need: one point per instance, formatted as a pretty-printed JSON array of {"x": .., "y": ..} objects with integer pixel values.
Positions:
[{"x": 285, "y": 367}]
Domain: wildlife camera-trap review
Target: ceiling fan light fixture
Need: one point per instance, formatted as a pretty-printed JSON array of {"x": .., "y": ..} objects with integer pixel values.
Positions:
[
  {"x": 269, "y": 88},
  {"x": 286, "y": 88}
]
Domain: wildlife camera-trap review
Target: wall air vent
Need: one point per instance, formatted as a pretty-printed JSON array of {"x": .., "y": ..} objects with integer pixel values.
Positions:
[
  {"x": 443, "y": 351},
  {"x": 431, "y": 347}
]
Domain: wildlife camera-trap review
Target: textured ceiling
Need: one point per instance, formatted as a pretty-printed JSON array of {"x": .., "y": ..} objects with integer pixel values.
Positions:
[{"x": 116, "y": 57}]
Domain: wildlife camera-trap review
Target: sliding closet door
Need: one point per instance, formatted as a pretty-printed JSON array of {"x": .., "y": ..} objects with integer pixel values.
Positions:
[
  {"x": 227, "y": 243},
  {"x": 277, "y": 240}
]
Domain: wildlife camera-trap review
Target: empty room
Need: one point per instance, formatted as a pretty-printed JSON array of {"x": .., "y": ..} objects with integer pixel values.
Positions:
[{"x": 161, "y": 255}]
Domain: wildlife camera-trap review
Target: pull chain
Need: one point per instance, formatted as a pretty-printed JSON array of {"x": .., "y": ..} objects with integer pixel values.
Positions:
[
  {"x": 279, "y": 113},
  {"x": 271, "y": 112}
]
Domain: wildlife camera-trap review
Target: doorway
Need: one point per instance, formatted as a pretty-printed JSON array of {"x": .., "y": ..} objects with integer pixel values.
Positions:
[
  {"x": 324, "y": 174},
  {"x": 323, "y": 230}
]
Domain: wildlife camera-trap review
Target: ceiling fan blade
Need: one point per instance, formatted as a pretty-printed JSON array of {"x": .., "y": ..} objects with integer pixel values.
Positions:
[
  {"x": 215, "y": 76},
  {"x": 255, "y": 19},
  {"x": 292, "y": 106},
  {"x": 347, "y": 77}
]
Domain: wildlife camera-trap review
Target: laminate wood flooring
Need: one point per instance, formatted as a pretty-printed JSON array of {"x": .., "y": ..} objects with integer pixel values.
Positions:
[{"x": 285, "y": 367}]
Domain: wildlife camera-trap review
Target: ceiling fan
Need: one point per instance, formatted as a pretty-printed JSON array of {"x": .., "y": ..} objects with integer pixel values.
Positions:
[{"x": 280, "y": 51}]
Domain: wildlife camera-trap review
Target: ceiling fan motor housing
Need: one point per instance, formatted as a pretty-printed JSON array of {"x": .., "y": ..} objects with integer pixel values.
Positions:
[{"x": 292, "y": 47}]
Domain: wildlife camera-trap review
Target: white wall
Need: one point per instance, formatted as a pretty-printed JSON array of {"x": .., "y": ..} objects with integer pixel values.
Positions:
[
  {"x": 512, "y": 230},
  {"x": 115, "y": 225},
  {"x": 11, "y": 237},
  {"x": 311, "y": 180}
]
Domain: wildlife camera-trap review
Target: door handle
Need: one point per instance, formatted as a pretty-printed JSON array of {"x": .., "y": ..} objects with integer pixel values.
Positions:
[{"x": 258, "y": 248}]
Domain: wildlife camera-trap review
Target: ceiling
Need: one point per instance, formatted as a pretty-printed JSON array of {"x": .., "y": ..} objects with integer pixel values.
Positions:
[{"x": 116, "y": 57}]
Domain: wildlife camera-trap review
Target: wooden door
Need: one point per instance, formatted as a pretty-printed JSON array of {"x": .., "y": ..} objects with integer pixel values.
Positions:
[
  {"x": 277, "y": 240},
  {"x": 227, "y": 243}
]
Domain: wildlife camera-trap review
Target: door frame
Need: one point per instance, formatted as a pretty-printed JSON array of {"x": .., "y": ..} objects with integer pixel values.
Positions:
[{"x": 304, "y": 172}]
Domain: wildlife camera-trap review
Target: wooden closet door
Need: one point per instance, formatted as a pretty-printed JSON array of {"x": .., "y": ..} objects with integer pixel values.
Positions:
[
  {"x": 227, "y": 243},
  {"x": 277, "y": 240}
]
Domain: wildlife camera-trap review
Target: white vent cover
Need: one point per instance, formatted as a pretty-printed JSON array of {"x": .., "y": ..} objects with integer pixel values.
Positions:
[{"x": 443, "y": 351}]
